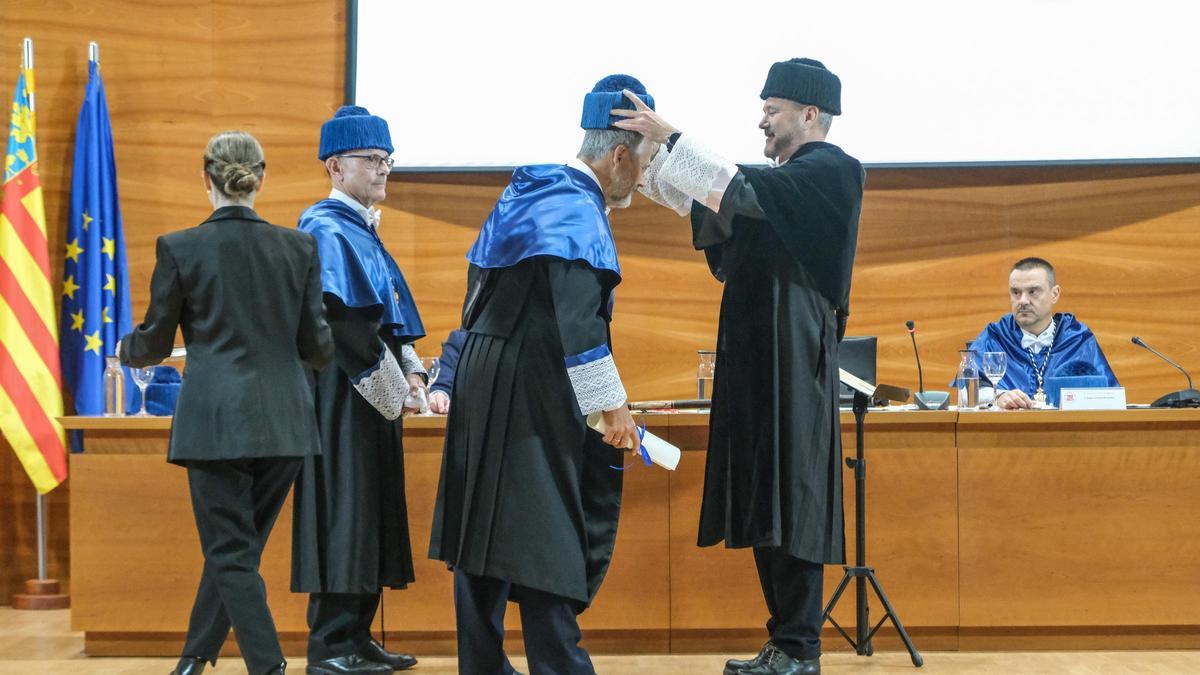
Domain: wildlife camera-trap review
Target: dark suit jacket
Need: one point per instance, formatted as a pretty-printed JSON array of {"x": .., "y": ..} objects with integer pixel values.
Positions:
[{"x": 247, "y": 295}]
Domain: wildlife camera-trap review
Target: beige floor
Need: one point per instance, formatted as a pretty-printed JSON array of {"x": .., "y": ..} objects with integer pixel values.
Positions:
[{"x": 37, "y": 643}]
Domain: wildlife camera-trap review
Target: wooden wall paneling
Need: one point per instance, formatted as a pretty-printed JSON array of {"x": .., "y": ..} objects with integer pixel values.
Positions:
[
  {"x": 174, "y": 74},
  {"x": 1065, "y": 518}
]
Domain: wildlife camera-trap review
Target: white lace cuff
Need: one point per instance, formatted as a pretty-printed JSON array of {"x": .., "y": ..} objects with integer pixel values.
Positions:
[
  {"x": 595, "y": 380},
  {"x": 662, "y": 192},
  {"x": 697, "y": 172},
  {"x": 383, "y": 385},
  {"x": 410, "y": 363}
]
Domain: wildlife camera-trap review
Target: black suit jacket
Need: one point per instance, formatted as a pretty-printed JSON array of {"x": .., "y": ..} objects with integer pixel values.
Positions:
[{"x": 247, "y": 295}]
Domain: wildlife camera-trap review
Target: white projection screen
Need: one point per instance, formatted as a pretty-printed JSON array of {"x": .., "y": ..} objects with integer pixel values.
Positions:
[{"x": 470, "y": 86}]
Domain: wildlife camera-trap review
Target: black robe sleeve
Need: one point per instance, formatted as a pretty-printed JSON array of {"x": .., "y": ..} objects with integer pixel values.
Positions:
[
  {"x": 581, "y": 306},
  {"x": 813, "y": 203},
  {"x": 361, "y": 354},
  {"x": 152, "y": 340},
  {"x": 711, "y": 231}
]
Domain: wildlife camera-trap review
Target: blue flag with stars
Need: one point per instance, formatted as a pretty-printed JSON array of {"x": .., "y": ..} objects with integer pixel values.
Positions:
[{"x": 95, "y": 304}]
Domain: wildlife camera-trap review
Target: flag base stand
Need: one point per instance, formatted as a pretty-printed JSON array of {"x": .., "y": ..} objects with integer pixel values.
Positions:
[{"x": 41, "y": 594}]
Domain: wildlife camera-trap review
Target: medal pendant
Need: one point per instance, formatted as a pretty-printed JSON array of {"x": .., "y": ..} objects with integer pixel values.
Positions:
[{"x": 1040, "y": 396}]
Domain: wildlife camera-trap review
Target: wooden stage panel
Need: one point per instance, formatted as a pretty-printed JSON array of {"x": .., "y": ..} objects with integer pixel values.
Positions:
[
  {"x": 1080, "y": 519},
  {"x": 988, "y": 530},
  {"x": 912, "y": 530},
  {"x": 136, "y": 553}
]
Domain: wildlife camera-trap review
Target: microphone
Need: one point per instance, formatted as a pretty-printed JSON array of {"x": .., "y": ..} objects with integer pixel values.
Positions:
[
  {"x": 1185, "y": 398},
  {"x": 926, "y": 400},
  {"x": 912, "y": 333}
]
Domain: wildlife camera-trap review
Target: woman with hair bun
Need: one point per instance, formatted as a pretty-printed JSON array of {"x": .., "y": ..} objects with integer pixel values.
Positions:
[{"x": 247, "y": 296}]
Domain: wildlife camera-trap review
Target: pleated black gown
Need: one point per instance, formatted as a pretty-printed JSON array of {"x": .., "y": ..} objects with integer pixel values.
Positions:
[{"x": 528, "y": 493}]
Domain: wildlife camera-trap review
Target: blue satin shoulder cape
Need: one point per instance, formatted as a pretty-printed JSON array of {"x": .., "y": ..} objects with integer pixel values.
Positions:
[
  {"x": 552, "y": 210},
  {"x": 357, "y": 268},
  {"x": 1075, "y": 352}
]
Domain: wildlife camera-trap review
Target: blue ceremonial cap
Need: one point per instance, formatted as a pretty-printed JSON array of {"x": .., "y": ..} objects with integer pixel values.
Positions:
[
  {"x": 353, "y": 128},
  {"x": 606, "y": 95}
]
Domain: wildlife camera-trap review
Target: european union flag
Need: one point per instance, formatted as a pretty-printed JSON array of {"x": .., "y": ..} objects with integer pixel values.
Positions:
[{"x": 95, "y": 307}]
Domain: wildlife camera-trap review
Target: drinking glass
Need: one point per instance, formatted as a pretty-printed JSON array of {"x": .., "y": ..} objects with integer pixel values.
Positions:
[
  {"x": 433, "y": 366},
  {"x": 704, "y": 373},
  {"x": 142, "y": 378},
  {"x": 994, "y": 365}
]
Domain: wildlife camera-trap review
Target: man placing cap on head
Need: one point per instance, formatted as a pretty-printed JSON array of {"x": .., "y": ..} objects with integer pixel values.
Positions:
[
  {"x": 782, "y": 240},
  {"x": 351, "y": 524},
  {"x": 528, "y": 500}
]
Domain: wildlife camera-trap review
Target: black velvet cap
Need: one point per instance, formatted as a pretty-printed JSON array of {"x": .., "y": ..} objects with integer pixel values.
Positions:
[{"x": 805, "y": 81}]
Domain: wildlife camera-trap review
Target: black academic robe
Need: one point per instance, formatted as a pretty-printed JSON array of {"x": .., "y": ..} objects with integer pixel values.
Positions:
[
  {"x": 350, "y": 518},
  {"x": 528, "y": 494},
  {"x": 783, "y": 243}
]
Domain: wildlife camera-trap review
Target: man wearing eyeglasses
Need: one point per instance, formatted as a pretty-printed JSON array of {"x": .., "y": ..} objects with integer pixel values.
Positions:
[{"x": 350, "y": 531}]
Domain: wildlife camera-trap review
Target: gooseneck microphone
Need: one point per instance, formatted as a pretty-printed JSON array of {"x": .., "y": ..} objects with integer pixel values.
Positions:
[
  {"x": 1186, "y": 398},
  {"x": 912, "y": 333},
  {"x": 926, "y": 400}
]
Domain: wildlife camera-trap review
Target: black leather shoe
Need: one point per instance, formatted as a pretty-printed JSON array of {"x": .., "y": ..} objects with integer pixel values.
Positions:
[
  {"x": 732, "y": 666},
  {"x": 779, "y": 663},
  {"x": 375, "y": 652},
  {"x": 347, "y": 665},
  {"x": 189, "y": 665},
  {"x": 278, "y": 670}
]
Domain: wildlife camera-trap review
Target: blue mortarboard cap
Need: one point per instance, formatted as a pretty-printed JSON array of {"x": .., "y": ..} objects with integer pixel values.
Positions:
[
  {"x": 606, "y": 95},
  {"x": 353, "y": 128},
  {"x": 163, "y": 391}
]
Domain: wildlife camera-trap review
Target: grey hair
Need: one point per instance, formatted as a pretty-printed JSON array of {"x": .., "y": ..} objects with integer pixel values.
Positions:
[
  {"x": 824, "y": 120},
  {"x": 599, "y": 142}
]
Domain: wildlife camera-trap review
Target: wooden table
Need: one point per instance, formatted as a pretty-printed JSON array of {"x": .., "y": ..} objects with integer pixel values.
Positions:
[{"x": 987, "y": 529}]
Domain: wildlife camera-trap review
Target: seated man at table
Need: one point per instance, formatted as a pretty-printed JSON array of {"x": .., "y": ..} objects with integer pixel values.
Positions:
[{"x": 1038, "y": 342}]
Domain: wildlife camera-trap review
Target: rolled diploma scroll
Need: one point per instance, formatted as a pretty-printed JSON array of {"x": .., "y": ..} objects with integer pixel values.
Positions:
[{"x": 661, "y": 452}]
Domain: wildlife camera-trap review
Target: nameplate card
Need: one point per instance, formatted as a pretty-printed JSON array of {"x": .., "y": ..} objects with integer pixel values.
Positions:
[{"x": 1093, "y": 398}]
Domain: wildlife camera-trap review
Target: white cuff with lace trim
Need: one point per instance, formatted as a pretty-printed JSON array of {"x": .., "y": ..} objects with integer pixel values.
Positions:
[
  {"x": 662, "y": 192},
  {"x": 697, "y": 172},
  {"x": 383, "y": 386},
  {"x": 595, "y": 379},
  {"x": 410, "y": 362}
]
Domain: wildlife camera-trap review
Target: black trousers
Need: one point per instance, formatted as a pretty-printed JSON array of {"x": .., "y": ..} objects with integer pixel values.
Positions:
[
  {"x": 793, "y": 589},
  {"x": 339, "y": 624},
  {"x": 235, "y": 503},
  {"x": 548, "y": 623}
]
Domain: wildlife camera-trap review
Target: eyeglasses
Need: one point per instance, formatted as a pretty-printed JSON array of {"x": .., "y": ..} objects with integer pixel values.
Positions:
[{"x": 374, "y": 161}]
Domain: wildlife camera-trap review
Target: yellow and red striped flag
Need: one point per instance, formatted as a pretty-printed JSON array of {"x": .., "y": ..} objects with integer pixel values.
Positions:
[{"x": 30, "y": 374}]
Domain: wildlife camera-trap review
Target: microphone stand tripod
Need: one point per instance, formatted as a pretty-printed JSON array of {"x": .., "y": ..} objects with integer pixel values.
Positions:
[{"x": 859, "y": 572}]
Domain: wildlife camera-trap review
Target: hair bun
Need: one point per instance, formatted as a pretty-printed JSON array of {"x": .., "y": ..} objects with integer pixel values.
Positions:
[{"x": 234, "y": 162}]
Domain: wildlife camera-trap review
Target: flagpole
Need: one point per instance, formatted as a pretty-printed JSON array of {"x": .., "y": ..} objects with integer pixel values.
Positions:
[
  {"x": 27, "y": 64},
  {"x": 94, "y": 52},
  {"x": 41, "y": 593}
]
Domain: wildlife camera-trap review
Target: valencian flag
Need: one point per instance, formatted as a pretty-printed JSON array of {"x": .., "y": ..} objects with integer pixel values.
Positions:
[
  {"x": 30, "y": 380},
  {"x": 95, "y": 303}
]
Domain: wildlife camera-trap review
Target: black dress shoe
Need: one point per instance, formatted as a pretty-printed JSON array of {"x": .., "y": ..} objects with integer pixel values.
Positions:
[
  {"x": 347, "y": 665},
  {"x": 375, "y": 652},
  {"x": 278, "y": 670},
  {"x": 732, "y": 666},
  {"x": 189, "y": 665},
  {"x": 779, "y": 663}
]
